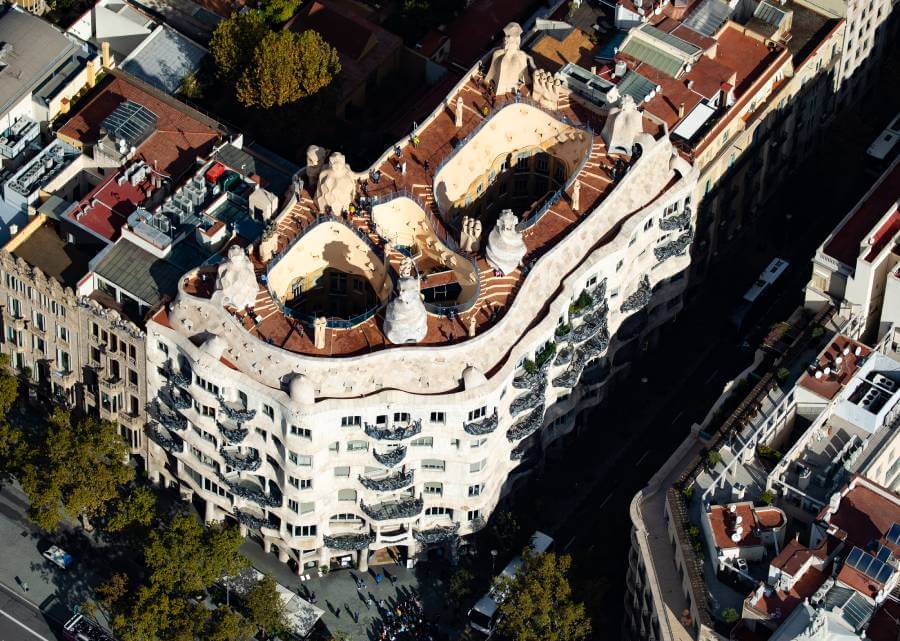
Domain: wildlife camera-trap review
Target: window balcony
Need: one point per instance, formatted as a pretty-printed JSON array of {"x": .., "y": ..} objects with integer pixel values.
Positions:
[
  {"x": 529, "y": 400},
  {"x": 63, "y": 378},
  {"x": 175, "y": 376},
  {"x": 253, "y": 521},
  {"x": 233, "y": 435},
  {"x": 440, "y": 534},
  {"x": 593, "y": 323},
  {"x": 406, "y": 508},
  {"x": 640, "y": 297},
  {"x": 391, "y": 483},
  {"x": 395, "y": 434},
  {"x": 348, "y": 542},
  {"x": 171, "y": 443},
  {"x": 484, "y": 426},
  {"x": 676, "y": 222},
  {"x": 114, "y": 384},
  {"x": 391, "y": 457},
  {"x": 174, "y": 422},
  {"x": 252, "y": 492},
  {"x": 675, "y": 248},
  {"x": 527, "y": 426},
  {"x": 248, "y": 462},
  {"x": 235, "y": 412},
  {"x": 177, "y": 401}
]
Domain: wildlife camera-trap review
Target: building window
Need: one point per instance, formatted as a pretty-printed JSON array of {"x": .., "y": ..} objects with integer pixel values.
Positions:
[
  {"x": 475, "y": 490},
  {"x": 351, "y": 421},
  {"x": 347, "y": 495},
  {"x": 302, "y": 432},
  {"x": 357, "y": 446},
  {"x": 439, "y": 511},
  {"x": 438, "y": 417},
  {"x": 473, "y": 515},
  {"x": 433, "y": 488},
  {"x": 302, "y": 530},
  {"x": 334, "y": 447},
  {"x": 478, "y": 442},
  {"x": 433, "y": 464},
  {"x": 401, "y": 417},
  {"x": 422, "y": 441},
  {"x": 342, "y": 471},
  {"x": 301, "y": 460},
  {"x": 478, "y": 413},
  {"x": 268, "y": 411},
  {"x": 478, "y": 466}
]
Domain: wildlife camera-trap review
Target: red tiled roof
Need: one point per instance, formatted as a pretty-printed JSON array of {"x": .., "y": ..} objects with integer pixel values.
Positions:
[
  {"x": 746, "y": 55},
  {"x": 845, "y": 244},
  {"x": 473, "y": 32},
  {"x": 179, "y": 137},
  {"x": 855, "y": 579},
  {"x": 722, "y": 523},
  {"x": 105, "y": 209},
  {"x": 777, "y": 605},
  {"x": 864, "y": 514},
  {"x": 794, "y": 555},
  {"x": 883, "y": 236},
  {"x": 828, "y": 386},
  {"x": 885, "y": 622}
]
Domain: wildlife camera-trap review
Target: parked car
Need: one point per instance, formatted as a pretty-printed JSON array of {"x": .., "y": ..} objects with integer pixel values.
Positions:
[{"x": 58, "y": 557}]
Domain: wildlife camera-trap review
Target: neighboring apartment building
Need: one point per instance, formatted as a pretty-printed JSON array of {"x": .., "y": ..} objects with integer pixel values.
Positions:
[
  {"x": 379, "y": 377},
  {"x": 857, "y": 268},
  {"x": 837, "y": 427}
]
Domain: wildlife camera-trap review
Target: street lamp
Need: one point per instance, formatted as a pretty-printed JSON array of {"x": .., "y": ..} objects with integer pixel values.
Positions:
[{"x": 493, "y": 560}]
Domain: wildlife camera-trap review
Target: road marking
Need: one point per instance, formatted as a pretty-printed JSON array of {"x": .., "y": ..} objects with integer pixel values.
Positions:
[
  {"x": 567, "y": 545},
  {"x": 642, "y": 457},
  {"x": 24, "y": 627},
  {"x": 604, "y": 501},
  {"x": 712, "y": 376},
  {"x": 677, "y": 416}
]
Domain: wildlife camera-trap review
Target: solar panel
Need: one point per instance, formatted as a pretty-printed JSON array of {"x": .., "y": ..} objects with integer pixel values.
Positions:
[
  {"x": 853, "y": 557},
  {"x": 869, "y": 565},
  {"x": 894, "y": 535},
  {"x": 884, "y": 554},
  {"x": 857, "y": 610},
  {"x": 884, "y": 574}
]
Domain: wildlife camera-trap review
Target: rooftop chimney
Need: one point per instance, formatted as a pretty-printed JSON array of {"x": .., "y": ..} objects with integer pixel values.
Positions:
[
  {"x": 104, "y": 46},
  {"x": 681, "y": 110}
]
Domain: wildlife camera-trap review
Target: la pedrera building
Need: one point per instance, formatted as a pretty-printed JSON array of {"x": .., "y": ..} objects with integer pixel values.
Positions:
[{"x": 404, "y": 342}]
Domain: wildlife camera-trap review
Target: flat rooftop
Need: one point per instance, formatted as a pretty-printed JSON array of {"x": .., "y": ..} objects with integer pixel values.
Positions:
[
  {"x": 846, "y": 241},
  {"x": 105, "y": 209},
  {"x": 827, "y": 385},
  {"x": 40, "y": 245},
  {"x": 181, "y": 133}
]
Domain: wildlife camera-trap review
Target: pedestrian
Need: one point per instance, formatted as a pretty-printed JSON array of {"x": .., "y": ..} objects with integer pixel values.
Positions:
[
  {"x": 426, "y": 166},
  {"x": 25, "y": 585},
  {"x": 397, "y": 151},
  {"x": 403, "y": 168}
]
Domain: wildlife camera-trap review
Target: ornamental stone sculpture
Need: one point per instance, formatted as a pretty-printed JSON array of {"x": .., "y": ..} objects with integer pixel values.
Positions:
[
  {"x": 505, "y": 248},
  {"x": 576, "y": 196},
  {"x": 406, "y": 320},
  {"x": 237, "y": 280},
  {"x": 509, "y": 65},
  {"x": 315, "y": 162},
  {"x": 337, "y": 186},
  {"x": 470, "y": 235},
  {"x": 319, "y": 326},
  {"x": 546, "y": 89},
  {"x": 622, "y": 127},
  {"x": 459, "y": 112}
]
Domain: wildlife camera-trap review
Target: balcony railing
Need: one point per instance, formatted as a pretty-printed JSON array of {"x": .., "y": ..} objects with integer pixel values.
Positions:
[
  {"x": 529, "y": 400},
  {"x": 391, "y": 457},
  {"x": 175, "y": 376},
  {"x": 234, "y": 435},
  {"x": 253, "y": 493},
  {"x": 348, "y": 542},
  {"x": 564, "y": 356},
  {"x": 177, "y": 401},
  {"x": 676, "y": 222},
  {"x": 394, "y": 434},
  {"x": 639, "y": 297},
  {"x": 391, "y": 483},
  {"x": 675, "y": 248},
  {"x": 484, "y": 426},
  {"x": 236, "y": 414},
  {"x": 401, "y": 509},
  {"x": 252, "y": 521},
  {"x": 528, "y": 426},
  {"x": 438, "y": 534},
  {"x": 241, "y": 462},
  {"x": 175, "y": 422},
  {"x": 169, "y": 442},
  {"x": 593, "y": 323}
]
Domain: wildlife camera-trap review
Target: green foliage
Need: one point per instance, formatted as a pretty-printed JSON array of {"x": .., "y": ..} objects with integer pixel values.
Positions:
[
  {"x": 74, "y": 469},
  {"x": 783, "y": 373},
  {"x": 277, "y": 12},
  {"x": 584, "y": 300},
  {"x": 11, "y": 441},
  {"x": 191, "y": 87},
  {"x": 265, "y": 607},
  {"x": 818, "y": 330},
  {"x": 286, "y": 67},
  {"x": 539, "y": 604},
  {"x": 136, "y": 508},
  {"x": 767, "y": 497},
  {"x": 529, "y": 366},
  {"x": 730, "y": 615},
  {"x": 713, "y": 458},
  {"x": 460, "y": 586},
  {"x": 234, "y": 42},
  {"x": 546, "y": 353},
  {"x": 768, "y": 453},
  {"x": 688, "y": 492},
  {"x": 505, "y": 532},
  {"x": 227, "y": 625},
  {"x": 563, "y": 329}
]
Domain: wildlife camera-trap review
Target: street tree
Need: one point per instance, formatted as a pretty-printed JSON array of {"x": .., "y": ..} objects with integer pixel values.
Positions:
[
  {"x": 10, "y": 436},
  {"x": 234, "y": 42},
  {"x": 319, "y": 62},
  {"x": 187, "y": 558},
  {"x": 73, "y": 469},
  {"x": 505, "y": 532},
  {"x": 134, "y": 508},
  {"x": 265, "y": 607},
  {"x": 539, "y": 605},
  {"x": 460, "y": 586},
  {"x": 277, "y": 12},
  {"x": 227, "y": 625}
]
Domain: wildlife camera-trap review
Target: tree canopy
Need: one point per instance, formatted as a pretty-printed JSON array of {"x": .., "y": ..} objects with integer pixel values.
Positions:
[
  {"x": 73, "y": 469},
  {"x": 136, "y": 507},
  {"x": 286, "y": 67},
  {"x": 539, "y": 605},
  {"x": 10, "y": 437},
  {"x": 234, "y": 42},
  {"x": 265, "y": 607}
]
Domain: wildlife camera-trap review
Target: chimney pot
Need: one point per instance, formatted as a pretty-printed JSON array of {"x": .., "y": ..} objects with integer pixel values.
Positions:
[{"x": 681, "y": 110}]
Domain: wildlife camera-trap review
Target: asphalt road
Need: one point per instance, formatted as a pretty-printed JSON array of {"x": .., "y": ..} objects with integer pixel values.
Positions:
[{"x": 21, "y": 620}]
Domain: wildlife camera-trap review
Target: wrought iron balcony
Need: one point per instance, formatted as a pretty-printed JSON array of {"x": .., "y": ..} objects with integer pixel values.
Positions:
[
  {"x": 639, "y": 298},
  {"x": 253, "y": 493},
  {"x": 175, "y": 422},
  {"x": 169, "y": 442},
  {"x": 518, "y": 452},
  {"x": 396, "y": 434},
  {"x": 528, "y": 401},
  {"x": 252, "y": 521},
  {"x": 391, "y": 483},
  {"x": 234, "y": 435},
  {"x": 348, "y": 542},
  {"x": 527, "y": 426},
  {"x": 679, "y": 221},
  {"x": 564, "y": 356},
  {"x": 597, "y": 344},
  {"x": 530, "y": 380},
  {"x": 593, "y": 323},
  {"x": 236, "y": 414},
  {"x": 242, "y": 462},
  {"x": 175, "y": 376},
  {"x": 177, "y": 401},
  {"x": 400, "y": 509},
  {"x": 438, "y": 534},
  {"x": 675, "y": 248},
  {"x": 391, "y": 457},
  {"x": 484, "y": 426}
]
